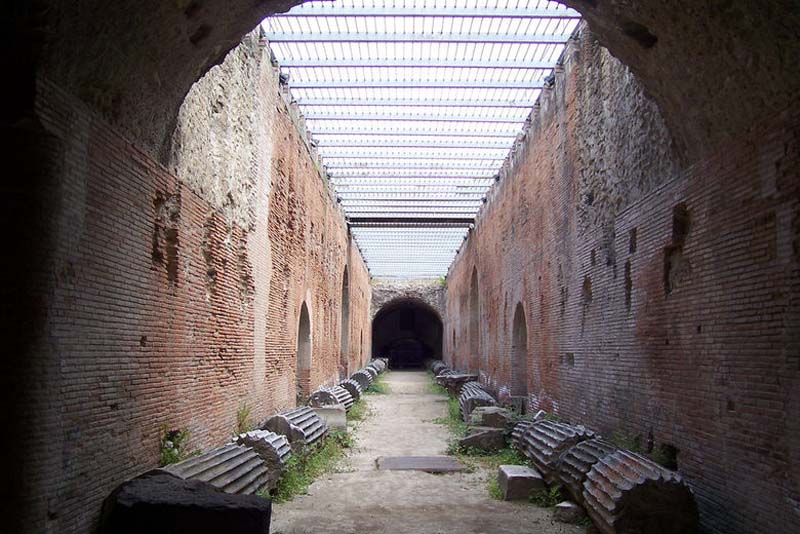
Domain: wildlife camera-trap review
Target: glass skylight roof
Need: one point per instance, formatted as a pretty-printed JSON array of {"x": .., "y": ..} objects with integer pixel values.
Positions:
[{"x": 414, "y": 106}]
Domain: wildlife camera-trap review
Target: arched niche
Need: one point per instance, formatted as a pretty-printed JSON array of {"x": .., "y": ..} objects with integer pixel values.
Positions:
[
  {"x": 344, "y": 331},
  {"x": 474, "y": 320},
  {"x": 519, "y": 353},
  {"x": 303, "y": 364}
]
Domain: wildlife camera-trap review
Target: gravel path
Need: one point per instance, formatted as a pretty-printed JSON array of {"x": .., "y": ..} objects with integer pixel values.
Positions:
[{"x": 360, "y": 498}]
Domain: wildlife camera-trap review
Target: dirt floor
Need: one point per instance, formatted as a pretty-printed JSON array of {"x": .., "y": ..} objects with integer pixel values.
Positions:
[{"x": 360, "y": 498}]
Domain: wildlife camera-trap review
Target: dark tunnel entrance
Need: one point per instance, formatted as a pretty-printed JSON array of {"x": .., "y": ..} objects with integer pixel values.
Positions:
[{"x": 407, "y": 332}]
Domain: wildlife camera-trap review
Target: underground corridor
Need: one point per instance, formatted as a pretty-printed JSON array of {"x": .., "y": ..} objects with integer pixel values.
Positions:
[
  {"x": 485, "y": 258},
  {"x": 407, "y": 333}
]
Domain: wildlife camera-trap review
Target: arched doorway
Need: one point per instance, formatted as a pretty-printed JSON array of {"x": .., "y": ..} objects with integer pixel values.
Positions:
[
  {"x": 519, "y": 353},
  {"x": 474, "y": 321},
  {"x": 303, "y": 370},
  {"x": 344, "y": 333},
  {"x": 407, "y": 332}
]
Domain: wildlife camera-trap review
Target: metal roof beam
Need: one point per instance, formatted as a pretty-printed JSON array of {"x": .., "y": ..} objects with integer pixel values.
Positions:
[
  {"x": 417, "y": 163},
  {"x": 402, "y": 143},
  {"x": 389, "y": 156},
  {"x": 279, "y": 37},
  {"x": 528, "y": 104},
  {"x": 404, "y": 189},
  {"x": 316, "y": 10},
  {"x": 443, "y": 84},
  {"x": 410, "y": 207},
  {"x": 461, "y": 197},
  {"x": 405, "y": 263},
  {"x": 412, "y": 214},
  {"x": 393, "y": 181},
  {"x": 417, "y": 63},
  {"x": 328, "y": 116},
  {"x": 417, "y": 222},
  {"x": 441, "y": 132}
]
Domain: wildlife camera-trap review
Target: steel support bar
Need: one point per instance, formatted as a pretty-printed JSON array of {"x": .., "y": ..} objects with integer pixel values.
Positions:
[
  {"x": 454, "y": 197},
  {"x": 418, "y": 103},
  {"x": 317, "y": 10},
  {"x": 328, "y": 116},
  {"x": 440, "y": 132},
  {"x": 434, "y": 214},
  {"x": 397, "y": 263},
  {"x": 391, "y": 180},
  {"x": 402, "y": 143},
  {"x": 394, "y": 181},
  {"x": 279, "y": 37},
  {"x": 417, "y": 221},
  {"x": 412, "y": 207},
  {"x": 418, "y": 84},
  {"x": 410, "y": 190},
  {"x": 417, "y": 63},
  {"x": 390, "y": 249},
  {"x": 442, "y": 157},
  {"x": 429, "y": 251},
  {"x": 450, "y": 165}
]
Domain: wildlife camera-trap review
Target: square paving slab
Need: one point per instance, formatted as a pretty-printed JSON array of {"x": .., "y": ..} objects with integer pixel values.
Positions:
[{"x": 429, "y": 464}]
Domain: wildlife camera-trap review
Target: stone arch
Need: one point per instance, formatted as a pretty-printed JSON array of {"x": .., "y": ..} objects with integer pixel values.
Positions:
[
  {"x": 656, "y": 39},
  {"x": 344, "y": 329},
  {"x": 407, "y": 331},
  {"x": 303, "y": 361},
  {"x": 519, "y": 353}
]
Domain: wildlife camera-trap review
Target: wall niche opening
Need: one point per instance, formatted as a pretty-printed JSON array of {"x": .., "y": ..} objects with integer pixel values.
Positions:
[
  {"x": 303, "y": 369},
  {"x": 519, "y": 353}
]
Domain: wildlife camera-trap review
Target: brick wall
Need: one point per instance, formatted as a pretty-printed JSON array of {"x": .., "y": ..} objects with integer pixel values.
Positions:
[
  {"x": 660, "y": 300},
  {"x": 166, "y": 309}
]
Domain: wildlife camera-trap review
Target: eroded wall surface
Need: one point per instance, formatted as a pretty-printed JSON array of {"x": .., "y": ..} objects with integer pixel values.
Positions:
[
  {"x": 661, "y": 301},
  {"x": 171, "y": 294}
]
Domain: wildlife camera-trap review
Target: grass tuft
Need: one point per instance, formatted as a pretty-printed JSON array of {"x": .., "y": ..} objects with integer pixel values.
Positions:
[
  {"x": 303, "y": 468},
  {"x": 494, "y": 489},
  {"x": 548, "y": 498},
  {"x": 358, "y": 411},
  {"x": 378, "y": 386},
  {"x": 172, "y": 448},
  {"x": 437, "y": 389},
  {"x": 243, "y": 420},
  {"x": 453, "y": 420}
]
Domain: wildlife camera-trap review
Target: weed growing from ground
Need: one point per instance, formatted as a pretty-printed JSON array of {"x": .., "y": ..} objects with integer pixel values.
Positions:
[
  {"x": 173, "y": 447},
  {"x": 358, "y": 411},
  {"x": 303, "y": 468},
  {"x": 453, "y": 420},
  {"x": 494, "y": 489},
  {"x": 243, "y": 422},
  {"x": 548, "y": 498},
  {"x": 435, "y": 387},
  {"x": 378, "y": 386}
]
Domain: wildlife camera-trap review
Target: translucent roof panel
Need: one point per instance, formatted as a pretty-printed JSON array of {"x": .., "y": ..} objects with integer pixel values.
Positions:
[{"x": 413, "y": 106}]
